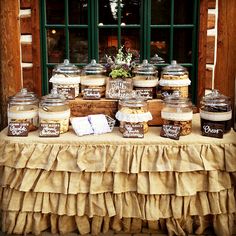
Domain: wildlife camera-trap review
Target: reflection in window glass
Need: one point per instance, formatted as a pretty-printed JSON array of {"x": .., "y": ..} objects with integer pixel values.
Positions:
[
  {"x": 108, "y": 12},
  {"x": 78, "y": 45},
  {"x": 78, "y": 12},
  {"x": 160, "y": 12},
  {"x": 183, "y": 11},
  {"x": 56, "y": 45},
  {"x": 160, "y": 41},
  {"x": 130, "y": 12},
  {"x": 55, "y": 12},
  {"x": 182, "y": 45}
]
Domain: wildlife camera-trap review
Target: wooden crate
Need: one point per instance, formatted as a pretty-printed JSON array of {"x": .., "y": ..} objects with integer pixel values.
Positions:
[{"x": 81, "y": 107}]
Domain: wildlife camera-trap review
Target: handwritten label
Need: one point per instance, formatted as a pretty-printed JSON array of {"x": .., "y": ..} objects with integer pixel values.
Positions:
[
  {"x": 69, "y": 93},
  {"x": 133, "y": 131},
  {"x": 213, "y": 130},
  {"x": 18, "y": 129},
  {"x": 170, "y": 131},
  {"x": 92, "y": 93},
  {"x": 49, "y": 129},
  {"x": 145, "y": 92}
]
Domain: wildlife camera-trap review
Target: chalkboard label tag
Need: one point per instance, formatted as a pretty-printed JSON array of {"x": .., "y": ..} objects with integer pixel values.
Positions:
[
  {"x": 69, "y": 93},
  {"x": 91, "y": 94},
  {"x": 49, "y": 130},
  {"x": 145, "y": 92},
  {"x": 213, "y": 130},
  {"x": 133, "y": 131},
  {"x": 170, "y": 131},
  {"x": 18, "y": 129}
]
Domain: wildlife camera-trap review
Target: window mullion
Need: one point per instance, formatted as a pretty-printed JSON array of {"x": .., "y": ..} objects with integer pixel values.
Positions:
[
  {"x": 172, "y": 30},
  {"x": 119, "y": 24},
  {"x": 67, "y": 29}
]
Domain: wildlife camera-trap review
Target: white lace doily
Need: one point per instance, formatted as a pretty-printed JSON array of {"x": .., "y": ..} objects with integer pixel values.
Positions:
[
  {"x": 65, "y": 80},
  {"x": 175, "y": 82},
  {"x": 141, "y": 117}
]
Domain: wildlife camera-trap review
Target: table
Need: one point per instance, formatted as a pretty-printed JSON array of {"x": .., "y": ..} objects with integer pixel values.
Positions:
[{"x": 95, "y": 183}]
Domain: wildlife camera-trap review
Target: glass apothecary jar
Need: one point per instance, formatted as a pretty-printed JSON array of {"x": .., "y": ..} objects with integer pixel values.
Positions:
[
  {"x": 145, "y": 79},
  {"x": 94, "y": 78},
  {"x": 22, "y": 108},
  {"x": 66, "y": 79},
  {"x": 133, "y": 111},
  {"x": 54, "y": 108},
  {"x": 174, "y": 77},
  {"x": 178, "y": 111},
  {"x": 216, "y": 108}
]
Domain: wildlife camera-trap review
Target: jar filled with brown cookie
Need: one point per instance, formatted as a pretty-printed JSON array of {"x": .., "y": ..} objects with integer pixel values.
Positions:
[
  {"x": 145, "y": 79},
  {"x": 93, "y": 79},
  {"x": 216, "y": 108},
  {"x": 178, "y": 111},
  {"x": 133, "y": 111},
  {"x": 174, "y": 77},
  {"x": 66, "y": 79},
  {"x": 54, "y": 108},
  {"x": 23, "y": 108}
]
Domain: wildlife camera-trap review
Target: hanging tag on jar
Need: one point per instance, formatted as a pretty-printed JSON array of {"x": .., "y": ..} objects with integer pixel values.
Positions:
[
  {"x": 20, "y": 129},
  {"x": 91, "y": 94},
  {"x": 49, "y": 130},
  {"x": 133, "y": 131},
  {"x": 146, "y": 93},
  {"x": 170, "y": 131},
  {"x": 213, "y": 130},
  {"x": 69, "y": 93}
]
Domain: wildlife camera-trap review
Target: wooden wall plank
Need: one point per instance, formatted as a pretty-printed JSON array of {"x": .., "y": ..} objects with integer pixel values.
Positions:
[
  {"x": 28, "y": 81},
  {"x": 210, "y": 49},
  {"x": 211, "y": 21},
  {"x": 10, "y": 62},
  {"x": 225, "y": 72},
  {"x": 26, "y": 52},
  {"x": 211, "y": 4},
  {"x": 25, "y": 25},
  {"x": 209, "y": 74},
  {"x": 24, "y": 4}
]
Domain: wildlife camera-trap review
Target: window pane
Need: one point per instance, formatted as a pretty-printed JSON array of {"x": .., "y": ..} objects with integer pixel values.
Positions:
[
  {"x": 56, "y": 45},
  {"x": 131, "y": 42},
  {"x": 79, "y": 45},
  {"x": 183, "y": 12},
  {"x": 160, "y": 12},
  {"x": 49, "y": 76},
  {"x": 108, "y": 12},
  {"x": 108, "y": 43},
  {"x": 182, "y": 45},
  {"x": 55, "y": 12},
  {"x": 160, "y": 42},
  {"x": 130, "y": 11},
  {"x": 78, "y": 12}
]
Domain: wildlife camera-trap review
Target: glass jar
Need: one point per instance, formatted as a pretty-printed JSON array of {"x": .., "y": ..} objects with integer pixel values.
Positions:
[
  {"x": 145, "y": 79},
  {"x": 174, "y": 77},
  {"x": 66, "y": 79},
  {"x": 94, "y": 77},
  {"x": 23, "y": 107},
  {"x": 133, "y": 111},
  {"x": 178, "y": 111},
  {"x": 216, "y": 108},
  {"x": 54, "y": 108}
]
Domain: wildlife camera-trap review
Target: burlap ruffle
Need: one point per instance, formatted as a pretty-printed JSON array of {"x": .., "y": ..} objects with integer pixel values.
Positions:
[
  {"x": 118, "y": 158},
  {"x": 178, "y": 183},
  {"x": 23, "y": 223}
]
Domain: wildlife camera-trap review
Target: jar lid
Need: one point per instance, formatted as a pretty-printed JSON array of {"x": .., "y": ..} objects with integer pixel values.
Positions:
[
  {"x": 174, "y": 68},
  {"x": 215, "y": 97},
  {"x": 145, "y": 68},
  {"x": 175, "y": 99},
  {"x": 157, "y": 60},
  {"x": 53, "y": 99},
  {"x": 23, "y": 97},
  {"x": 94, "y": 68},
  {"x": 66, "y": 68}
]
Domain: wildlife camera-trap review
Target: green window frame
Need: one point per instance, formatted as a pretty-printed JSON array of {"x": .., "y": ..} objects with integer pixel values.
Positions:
[{"x": 145, "y": 27}]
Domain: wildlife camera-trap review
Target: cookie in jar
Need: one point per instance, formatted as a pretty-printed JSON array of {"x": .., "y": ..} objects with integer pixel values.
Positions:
[
  {"x": 178, "y": 111},
  {"x": 54, "y": 108},
  {"x": 133, "y": 111}
]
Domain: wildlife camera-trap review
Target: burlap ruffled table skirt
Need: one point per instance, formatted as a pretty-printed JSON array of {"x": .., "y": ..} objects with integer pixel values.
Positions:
[{"x": 92, "y": 184}]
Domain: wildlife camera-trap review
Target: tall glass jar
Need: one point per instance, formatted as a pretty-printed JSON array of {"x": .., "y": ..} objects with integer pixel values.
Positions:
[
  {"x": 145, "y": 79},
  {"x": 23, "y": 107},
  {"x": 174, "y": 77},
  {"x": 54, "y": 108},
  {"x": 66, "y": 79},
  {"x": 94, "y": 77},
  {"x": 133, "y": 111},
  {"x": 178, "y": 111},
  {"x": 216, "y": 108}
]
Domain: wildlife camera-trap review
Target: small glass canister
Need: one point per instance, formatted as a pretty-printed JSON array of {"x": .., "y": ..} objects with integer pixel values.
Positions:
[
  {"x": 94, "y": 77},
  {"x": 174, "y": 77},
  {"x": 54, "y": 108},
  {"x": 216, "y": 108},
  {"x": 66, "y": 79},
  {"x": 133, "y": 111},
  {"x": 23, "y": 107},
  {"x": 145, "y": 79},
  {"x": 178, "y": 111}
]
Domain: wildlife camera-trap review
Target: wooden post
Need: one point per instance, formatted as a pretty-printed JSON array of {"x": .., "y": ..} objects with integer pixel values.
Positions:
[{"x": 10, "y": 66}]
